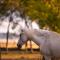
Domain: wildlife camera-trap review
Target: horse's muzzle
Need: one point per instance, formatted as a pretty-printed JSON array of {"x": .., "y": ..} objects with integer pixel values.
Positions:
[{"x": 19, "y": 46}]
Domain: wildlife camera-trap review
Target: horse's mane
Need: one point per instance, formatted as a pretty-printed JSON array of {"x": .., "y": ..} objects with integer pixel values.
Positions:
[{"x": 46, "y": 33}]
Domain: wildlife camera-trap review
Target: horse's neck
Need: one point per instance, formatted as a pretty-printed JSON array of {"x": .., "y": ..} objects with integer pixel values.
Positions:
[{"x": 38, "y": 39}]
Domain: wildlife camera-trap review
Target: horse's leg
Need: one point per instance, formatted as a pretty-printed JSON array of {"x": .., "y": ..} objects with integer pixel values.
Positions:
[
  {"x": 53, "y": 58},
  {"x": 26, "y": 49},
  {"x": 46, "y": 58},
  {"x": 43, "y": 58}
]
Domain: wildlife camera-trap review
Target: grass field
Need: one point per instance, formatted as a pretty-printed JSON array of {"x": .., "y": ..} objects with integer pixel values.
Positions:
[
  {"x": 18, "y": 55},
  {"x": 21, "y": 56}
]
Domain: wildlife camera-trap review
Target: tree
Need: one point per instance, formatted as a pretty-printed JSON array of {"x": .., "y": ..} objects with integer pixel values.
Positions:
[{"x": 46, "y": 11}]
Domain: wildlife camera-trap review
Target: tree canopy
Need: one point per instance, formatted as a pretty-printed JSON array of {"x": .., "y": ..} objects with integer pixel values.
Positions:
[{"x": 46, "y": 11}]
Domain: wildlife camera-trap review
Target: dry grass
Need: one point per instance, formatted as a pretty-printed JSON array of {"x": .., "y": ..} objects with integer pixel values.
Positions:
[
  {"x": 17, "y": 56},
  {"x": 24, "y": 56}
]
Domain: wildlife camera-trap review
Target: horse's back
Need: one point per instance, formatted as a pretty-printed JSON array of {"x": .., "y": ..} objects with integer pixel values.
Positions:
[{"x": 54, "y": 41}]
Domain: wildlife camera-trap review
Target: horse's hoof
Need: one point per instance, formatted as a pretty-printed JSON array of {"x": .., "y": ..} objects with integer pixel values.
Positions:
[
  {"x": 43, "y": 58},
  {"x": 52, "y": 58}
]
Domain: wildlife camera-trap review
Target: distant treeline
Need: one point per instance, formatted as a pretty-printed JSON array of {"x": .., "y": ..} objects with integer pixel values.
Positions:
[{"x": 11, "y": 36}]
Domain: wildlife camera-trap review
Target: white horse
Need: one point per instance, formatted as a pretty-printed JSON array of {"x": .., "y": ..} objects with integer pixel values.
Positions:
[{"x": 48, "y": 41}]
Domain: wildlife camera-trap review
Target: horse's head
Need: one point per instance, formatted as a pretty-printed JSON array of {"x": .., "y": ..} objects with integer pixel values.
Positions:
[
  {"x": 24, "y": 28},
  {"x": 23, "y": 36},
  {"x": 23, "y": 39}
]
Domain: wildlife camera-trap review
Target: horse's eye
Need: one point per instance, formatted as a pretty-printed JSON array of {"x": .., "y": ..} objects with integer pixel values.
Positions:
[{"x": 22, "y": 30}]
